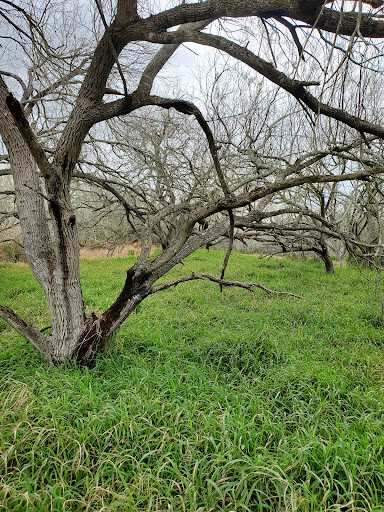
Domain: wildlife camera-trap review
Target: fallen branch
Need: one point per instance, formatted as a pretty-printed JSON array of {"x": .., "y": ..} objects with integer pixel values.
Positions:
[{"x": 222, "y": 282}]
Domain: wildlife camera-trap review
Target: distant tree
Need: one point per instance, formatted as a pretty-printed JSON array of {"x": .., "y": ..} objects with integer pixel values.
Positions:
[{"x": 70, "y": 86}]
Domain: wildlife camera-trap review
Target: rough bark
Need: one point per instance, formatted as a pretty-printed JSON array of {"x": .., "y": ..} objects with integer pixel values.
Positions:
[
  {"x": 51, "y": 253},
  {"x": 324, "y": 255}
]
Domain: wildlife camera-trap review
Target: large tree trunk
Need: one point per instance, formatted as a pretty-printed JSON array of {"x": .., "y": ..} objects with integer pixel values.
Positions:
[
  {"x": 64, "y": 298},
  {"x": 50, "y": 238},
  {"x": 53, "y": 257},
  {"x": 49, "y": 232},
  {"x": 324, "y": 255}
]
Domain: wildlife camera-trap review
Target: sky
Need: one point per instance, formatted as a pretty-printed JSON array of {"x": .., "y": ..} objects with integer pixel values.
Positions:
[{"x": 190, "y": 69}]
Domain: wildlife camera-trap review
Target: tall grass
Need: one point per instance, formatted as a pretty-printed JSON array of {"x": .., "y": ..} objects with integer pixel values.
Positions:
[{"x": 203, "y": 401}]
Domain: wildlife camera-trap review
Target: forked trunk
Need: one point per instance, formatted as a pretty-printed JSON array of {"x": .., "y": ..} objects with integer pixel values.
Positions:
[
  {"x": 54, "y": 259},
  {"x": 74, "y": 335},
  {"x": 50, "y": 239},
  {"x": 99, "y": 328}
]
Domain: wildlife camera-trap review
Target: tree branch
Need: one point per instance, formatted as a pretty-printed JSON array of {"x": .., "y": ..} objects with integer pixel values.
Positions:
[
  {"x": 260, "y": 192},
  {"x": 162, "y": 57},
  {"x": 31, "y": 102},
  {"x": 295, "y": 87},
  {"x": 107, "y": 186},
  {"x": 26, "y": 132},
  {"x": 29, "y": 332},
  {"x": 311, "y": 12},
  {"x": 222, "y": 282},
  {"x": 126, "y": 11},
  {"x": 15, "y": 77},
  {"x": 295, "y": 37}
]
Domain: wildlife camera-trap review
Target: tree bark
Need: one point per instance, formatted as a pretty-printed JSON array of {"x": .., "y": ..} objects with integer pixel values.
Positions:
[
  {"x": 49, "y": 233},
  {"x": 324, "y": 255}
]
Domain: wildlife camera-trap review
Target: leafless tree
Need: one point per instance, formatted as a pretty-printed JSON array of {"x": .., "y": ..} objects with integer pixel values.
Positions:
[
  {"x": 43, "y": 169},
  {"x": 261, "y": 143},
  {"x": 166, "y": 165}
]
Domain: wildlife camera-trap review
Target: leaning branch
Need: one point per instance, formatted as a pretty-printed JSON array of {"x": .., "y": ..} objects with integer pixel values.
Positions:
[
  {"x": 162, "y": 57},
  {"x": 29, "y": 332},
  {"x": 222, "y": 282},
  {"x": 29, "y": 137},
  {"x": 173, "y": 255},
  {"x": 296, "y": 88}
]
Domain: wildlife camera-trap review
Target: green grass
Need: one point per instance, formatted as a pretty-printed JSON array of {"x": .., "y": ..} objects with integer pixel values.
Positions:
[{"x": 204, "y": 401}]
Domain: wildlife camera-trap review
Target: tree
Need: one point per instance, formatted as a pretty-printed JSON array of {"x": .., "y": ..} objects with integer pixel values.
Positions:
[{"x": 44, "y": 165}]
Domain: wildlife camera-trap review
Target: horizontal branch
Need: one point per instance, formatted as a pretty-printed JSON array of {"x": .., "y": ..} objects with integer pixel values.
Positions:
[
  {"x": 311, "y": 12},
  {"x": 258, "y": 193},
  {"x": 296, "y": 88},
  {"x": 222, "y": 282}
]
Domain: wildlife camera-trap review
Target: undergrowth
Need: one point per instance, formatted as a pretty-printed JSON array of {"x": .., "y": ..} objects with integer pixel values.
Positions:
[{"x": 203, "y": 401}]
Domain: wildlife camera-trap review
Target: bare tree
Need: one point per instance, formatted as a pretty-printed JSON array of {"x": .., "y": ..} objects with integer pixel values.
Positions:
[
  {"x": 43, "y": 170},
  {"x": 262, "y": 146}
]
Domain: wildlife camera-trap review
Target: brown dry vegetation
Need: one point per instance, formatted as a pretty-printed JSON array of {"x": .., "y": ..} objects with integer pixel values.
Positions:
[{"x": 121, "y": 251}]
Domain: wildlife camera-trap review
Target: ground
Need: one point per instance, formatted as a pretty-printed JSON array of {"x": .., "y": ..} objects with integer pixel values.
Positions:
[{"x": 204, "y": 401}]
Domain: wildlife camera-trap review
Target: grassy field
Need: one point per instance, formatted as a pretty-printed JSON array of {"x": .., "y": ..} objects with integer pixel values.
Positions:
[{"x": 204, "y": 401}]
